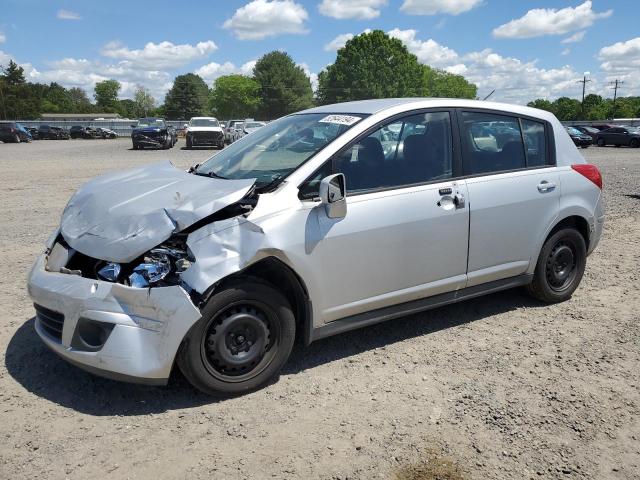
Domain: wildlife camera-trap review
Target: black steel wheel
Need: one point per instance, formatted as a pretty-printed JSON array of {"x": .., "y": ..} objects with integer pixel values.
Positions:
[
  {"x": 560, "y": 266},
  {"x": 243, "y": 339}
]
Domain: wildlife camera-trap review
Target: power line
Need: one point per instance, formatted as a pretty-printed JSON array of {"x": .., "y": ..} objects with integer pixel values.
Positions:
[
  {"x": 584, "y": 82},
  {"x": 616, "y": 83}
]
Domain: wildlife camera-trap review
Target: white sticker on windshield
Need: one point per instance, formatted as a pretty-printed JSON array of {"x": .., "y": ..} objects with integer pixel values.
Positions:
[{"x": 340, "y": 119}]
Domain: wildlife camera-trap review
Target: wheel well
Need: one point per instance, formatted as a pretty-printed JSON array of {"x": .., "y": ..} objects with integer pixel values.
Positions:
[
  {"x": 577, "y": 222},
  {"x": 282, "y": 277}
]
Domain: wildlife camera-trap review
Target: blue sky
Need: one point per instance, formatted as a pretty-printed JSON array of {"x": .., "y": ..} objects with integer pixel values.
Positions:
[{"x": 523, "y": 49}]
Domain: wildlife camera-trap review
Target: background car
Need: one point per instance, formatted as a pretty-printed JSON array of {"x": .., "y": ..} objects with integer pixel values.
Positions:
[
  {"x": 580, "y": 139},
  {"x": 34, "y": 133},
  {"x": 229, "y": 130},
  {"x": 618, "y": 136},
  {"x": 204, "y": 131},
  {"x": 153, "y": 132},
  {"x": 46, "y": 132},
  {"x": 106, "y": 132},
  {"x": 250, "y": 126},
  {"x": 587, "y": 130},
  {"x": 14, "y": 133},
  {"x": 78, "y": 131},
  {"x": 603, "y": 126}
]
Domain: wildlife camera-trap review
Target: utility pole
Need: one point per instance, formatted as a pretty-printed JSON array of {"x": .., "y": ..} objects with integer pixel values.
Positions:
[
  {"x": 584, "y": 82},
  {"x": 615, "y": 84}
]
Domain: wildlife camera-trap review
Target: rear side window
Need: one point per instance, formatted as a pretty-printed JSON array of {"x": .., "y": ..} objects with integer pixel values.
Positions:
[
  {"x": 491, "y": 143},
  {"x": 535, "y": 141}
]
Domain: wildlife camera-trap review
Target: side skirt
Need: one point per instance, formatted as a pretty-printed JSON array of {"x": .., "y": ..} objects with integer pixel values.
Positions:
[{"x": 389, "y": 313}]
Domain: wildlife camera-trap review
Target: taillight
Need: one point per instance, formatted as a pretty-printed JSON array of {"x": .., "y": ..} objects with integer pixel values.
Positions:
[{"x": 590, "y": 172}]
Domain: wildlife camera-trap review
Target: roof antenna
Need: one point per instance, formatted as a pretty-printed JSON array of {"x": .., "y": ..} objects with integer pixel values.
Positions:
[{"x": 492, "y": 92}]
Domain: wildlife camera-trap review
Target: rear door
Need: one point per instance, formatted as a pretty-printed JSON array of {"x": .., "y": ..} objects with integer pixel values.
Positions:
[{"x": 514, "y": 191}]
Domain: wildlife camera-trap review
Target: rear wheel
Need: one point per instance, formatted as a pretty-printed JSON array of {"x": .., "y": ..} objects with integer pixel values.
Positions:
[
  {"x": 560, "y": 266},
  {"x": 243, "y": 339},
  {"x": 601, "y": 142},
  {"x": 16, "y": 139},
  {"x": 634, "y": 143}
]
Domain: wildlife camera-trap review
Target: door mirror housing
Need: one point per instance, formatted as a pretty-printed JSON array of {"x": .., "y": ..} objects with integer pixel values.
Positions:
[{"x": 333, "y": 195}]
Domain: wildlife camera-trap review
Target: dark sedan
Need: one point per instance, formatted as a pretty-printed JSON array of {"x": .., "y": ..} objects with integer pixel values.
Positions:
[
  {"x": 580, "y": 139},
  {"x": 618, "y": 136},
  {"x": 78, "y": 131},
  {"x": 591, "y": 131},
  {"x": 14, "y": 132},
  {"x": 46, "y": 132},
  {"x": 153, "y": 132}
]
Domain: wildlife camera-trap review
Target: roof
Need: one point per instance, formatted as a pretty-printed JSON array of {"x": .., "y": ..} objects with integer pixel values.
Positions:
[{"x": 369, "y": 107}]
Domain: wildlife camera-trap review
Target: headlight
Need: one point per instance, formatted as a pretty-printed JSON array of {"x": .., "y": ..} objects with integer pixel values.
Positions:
[{"x": 157, "y": 265}]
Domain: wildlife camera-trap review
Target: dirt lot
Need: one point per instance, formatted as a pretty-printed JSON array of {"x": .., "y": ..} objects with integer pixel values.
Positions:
[{"x": 498, "y": 387}]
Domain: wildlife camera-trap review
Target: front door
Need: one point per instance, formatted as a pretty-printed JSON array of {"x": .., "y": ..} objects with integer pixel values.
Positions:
[{"x": 405, "y": 234}]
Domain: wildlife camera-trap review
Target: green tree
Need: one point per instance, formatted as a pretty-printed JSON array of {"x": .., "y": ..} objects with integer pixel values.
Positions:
[
  {"x": 542, "y": 104},
  {"x": 371, "y": 65},
  {"x": 284, "y": 86},
  {"x": 13, "y": 74},
  {"x": 79, "y": 100},
  {"x": 567, "y": 108},
  {"x": 106, "y": 94},
  {"x": 188, "y": 97},
  {"x": 235, "y": 96},
  {"x": 127, "y": 108},
  {"x": 438, "y": 83},
  {"x": 144, "y": 101}
]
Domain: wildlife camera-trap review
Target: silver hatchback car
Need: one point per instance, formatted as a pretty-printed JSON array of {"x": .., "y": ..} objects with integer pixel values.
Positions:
[{"x": 323, "y": 221}]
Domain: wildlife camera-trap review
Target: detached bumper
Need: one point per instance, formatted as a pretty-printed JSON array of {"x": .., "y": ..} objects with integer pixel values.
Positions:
[{"x": 138, "y": 330}]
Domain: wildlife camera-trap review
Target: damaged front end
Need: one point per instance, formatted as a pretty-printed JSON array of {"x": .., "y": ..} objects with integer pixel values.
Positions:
[{"x": 121, "y": 283}]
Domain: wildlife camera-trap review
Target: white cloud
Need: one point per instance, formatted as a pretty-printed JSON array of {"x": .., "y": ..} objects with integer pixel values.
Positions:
[
  {"x": 621, "y": 56},
  {"x": 4, "y": 58},
  {"x": 338, "y": 42},
  {"x": 3, "y": 37},
  {"x": 262, "y": 18},
  {"x": 160, "y": 55},
  {"x": 313, "y": 77},
  {"x": 575, "y": 38},
  {"x": 356, "y": 9},
  {"x": 433, "y": 7},
  {"x": 213, "y": 70},
  {"x": 429, "y": 52},
  {"x": 550, "y": 21},
  {"x": 565, "y": 52},
  {"x": 68, "y": 15}
]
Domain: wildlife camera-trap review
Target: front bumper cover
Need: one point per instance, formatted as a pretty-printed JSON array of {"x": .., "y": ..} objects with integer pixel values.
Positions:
[{"x": 149, "y": 324}]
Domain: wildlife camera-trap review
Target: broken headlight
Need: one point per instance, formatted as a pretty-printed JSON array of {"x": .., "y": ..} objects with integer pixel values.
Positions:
[{"x": 159, "y": 264}]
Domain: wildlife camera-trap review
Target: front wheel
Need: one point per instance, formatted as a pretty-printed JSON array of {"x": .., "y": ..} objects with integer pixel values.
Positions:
[
  {"x": 634, "y": 143},
  {"x": 601, "y": 142},
  {"x": 243, "y": 339},
  {"x": 560, "y": 266},
  {"x": 16, "y": 139},
  {"x": 189, "y": 144}
]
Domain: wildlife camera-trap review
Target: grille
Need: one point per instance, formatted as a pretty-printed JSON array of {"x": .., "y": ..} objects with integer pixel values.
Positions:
[
  {"x": 207, "y": 136},
  {"x": 50, "y": 321}
]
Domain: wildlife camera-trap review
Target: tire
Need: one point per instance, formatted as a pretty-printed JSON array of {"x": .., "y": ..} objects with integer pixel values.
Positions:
[
  {"x": 167, "y": 145},
  {"x": 617, "y": 145},
  {"x": 189, "y": 144},
  {"x": 16, "y": 139},
  {"x": 560, "y": 266},
  {"x": 634, "y": 143},
  {"x": 136, "y": 146},
  {"x": 246, "y": 309},
  {"x": 601, "y": 142}
]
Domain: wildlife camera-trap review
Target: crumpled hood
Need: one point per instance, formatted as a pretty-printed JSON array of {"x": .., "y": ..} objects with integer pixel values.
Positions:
[{"x": 119, "y": 216}]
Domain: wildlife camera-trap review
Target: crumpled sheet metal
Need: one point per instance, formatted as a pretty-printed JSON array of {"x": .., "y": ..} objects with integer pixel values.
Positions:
[
  {"x": 151, "y": 322},
  {"x": 119, "y": 216},
  {"x": 222, "y": 248}
]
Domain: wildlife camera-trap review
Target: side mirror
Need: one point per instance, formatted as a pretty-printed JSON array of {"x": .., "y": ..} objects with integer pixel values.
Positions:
[
  {"x": 186, "y": 125},
  {"x": 333, "y": 195}
]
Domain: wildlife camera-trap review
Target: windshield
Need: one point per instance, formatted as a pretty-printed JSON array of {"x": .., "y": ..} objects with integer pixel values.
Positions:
[
  {"x": 574, "y": 131},
  {"x": 277, "y": 149},
  {"x": 204, "y": 122},
  {"x": 150, "y": 122}
]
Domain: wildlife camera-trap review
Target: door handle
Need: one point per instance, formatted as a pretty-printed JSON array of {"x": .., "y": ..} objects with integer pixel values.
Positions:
[
  {"x": 544, "y": 186},
  {"x": 459, "y": 200}
]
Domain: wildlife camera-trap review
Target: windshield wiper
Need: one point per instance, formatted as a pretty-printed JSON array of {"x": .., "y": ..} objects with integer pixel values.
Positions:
[
  {"x": 275, "y": 181},
  {"x": 210, "y": 174}
]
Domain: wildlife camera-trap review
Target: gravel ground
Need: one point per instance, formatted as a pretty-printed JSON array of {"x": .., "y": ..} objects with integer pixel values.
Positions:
[{"x": 497, "y": 387}]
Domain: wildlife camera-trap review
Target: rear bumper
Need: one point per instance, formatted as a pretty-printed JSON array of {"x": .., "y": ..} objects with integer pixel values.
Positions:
[{"x": 146, "y": 326}]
